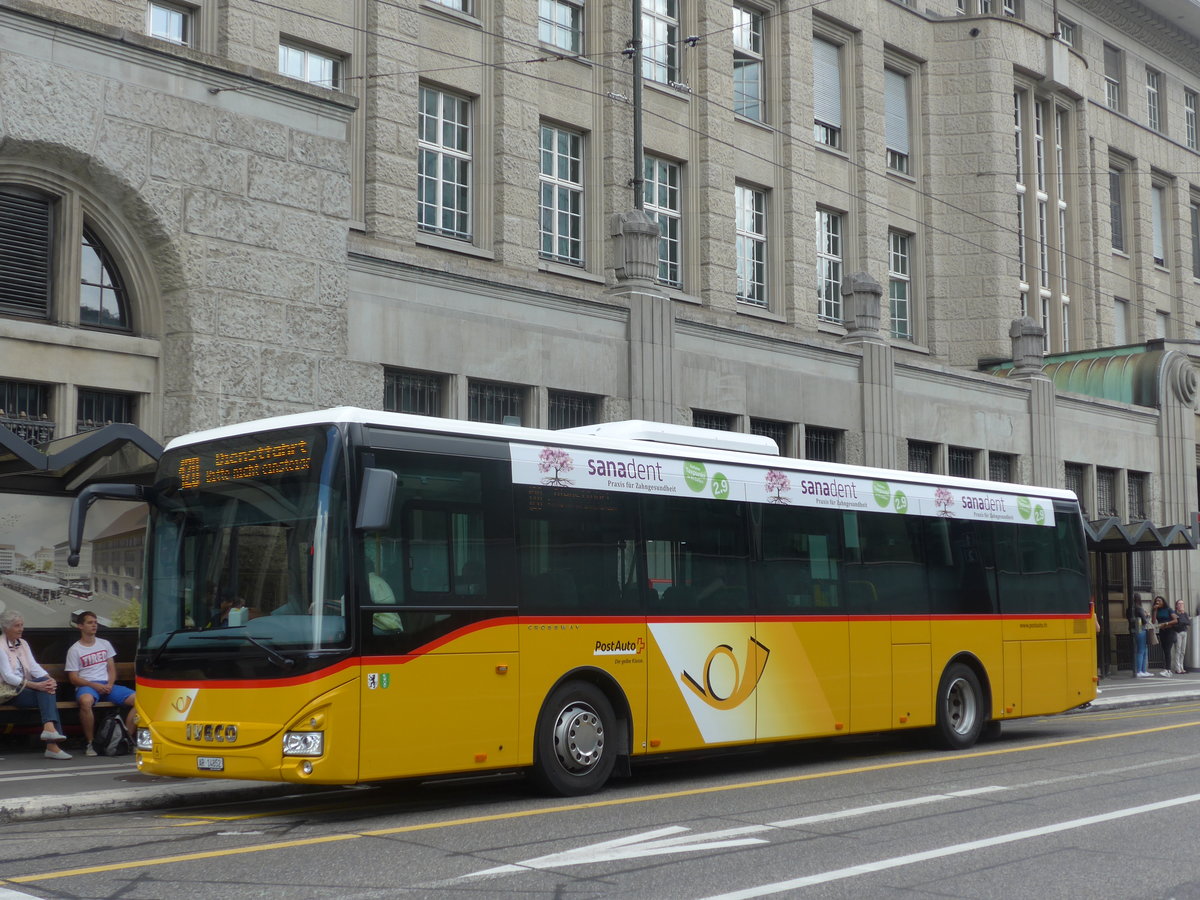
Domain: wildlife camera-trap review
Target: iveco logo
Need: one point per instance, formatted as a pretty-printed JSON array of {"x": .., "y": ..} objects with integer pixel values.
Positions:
[{"x": 225, "y": 734}]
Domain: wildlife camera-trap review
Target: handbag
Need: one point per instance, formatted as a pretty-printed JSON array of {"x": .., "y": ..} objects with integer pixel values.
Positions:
[
  {"x": 8, "y": 691},
  {"x": 1152, "y": 636}
]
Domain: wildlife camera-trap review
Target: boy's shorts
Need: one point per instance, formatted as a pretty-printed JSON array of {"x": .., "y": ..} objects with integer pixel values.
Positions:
[{"x": 117, "y": 695}]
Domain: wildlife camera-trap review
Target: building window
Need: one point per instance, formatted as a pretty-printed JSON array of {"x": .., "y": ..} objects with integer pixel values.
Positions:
[
  {"x": 460, "y": 5},
  {"x": 779, "y": 432},
  {"x": 418, "y": 393},
  {"x": 1011, "y": 8},
  {"x": 308, "y": 65},
  {"x": 829, "y": 266},
  {"x": 169, "y": 22},
  {"x": 824, "y": 444},
  {"x": 1000, "y": 467},
  {"x": 101, "y": 294},
  {"x": 960, "y": 462},
  {"x": 827, "y": 93},
  {"x": 1113, "y": 63},
  {"x": 1153, "y": 96},
  {"x": 562, "y": 195},
  {"x": 1075, "y": 482},
  {"x": 560, "y": 24},
  {"x": 1158, "y": 223},
  {"x": 1106, "y": 492},
  {"x": 751, "y": 218},
  {"x": 662, "y": 203},
  {"x": 26, "y": 236},
  {"x": 1116, "y": 208},
  {"x": 1136, "y": 487},
  {"x": 1067, "y": 31},
  {"x": 900, "y": 284},
  {"x": 25, "y": 410},
  {"x": 921, "y": 456},
  {"x": 896, "y": 119},
  {"x": 1120, "y": 322},
  {"x": 748, "y": 63},
  {"x": 714, "y": 420},
  {"x": 567, "y": 410},
  {"x": 1189, "y": 119},
  {"x": 444, "y": 173},
  {"x": 1194, "y": 209},
  {"x": 660, "y": 40},
  {"x": 501, "y": 404},
  {"x": 99, "y": 408}
]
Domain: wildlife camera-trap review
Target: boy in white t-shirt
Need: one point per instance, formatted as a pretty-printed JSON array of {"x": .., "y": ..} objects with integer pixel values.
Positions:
[{"x": 91, "y": 666}]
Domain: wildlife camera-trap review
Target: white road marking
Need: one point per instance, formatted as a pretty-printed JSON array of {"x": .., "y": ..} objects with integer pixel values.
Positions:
[
  {"x": 660, "y": 841},
  {"x": 68, "y": 772},
  {"x": 954, "y": 849}
]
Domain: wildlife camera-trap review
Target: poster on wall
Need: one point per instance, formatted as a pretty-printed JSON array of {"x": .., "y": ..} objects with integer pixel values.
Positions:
[{"x": 35, "y": 578}]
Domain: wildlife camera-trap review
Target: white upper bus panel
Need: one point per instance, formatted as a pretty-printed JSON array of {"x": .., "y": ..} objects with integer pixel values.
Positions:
[{"x": 684, "y": 435}]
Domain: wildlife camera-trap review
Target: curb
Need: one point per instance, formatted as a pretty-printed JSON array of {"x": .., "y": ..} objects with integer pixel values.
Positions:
[{"x": 29, "y": 809}]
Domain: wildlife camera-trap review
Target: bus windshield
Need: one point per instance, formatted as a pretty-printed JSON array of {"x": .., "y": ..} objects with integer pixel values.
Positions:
[{"x": 247, "y": 549}]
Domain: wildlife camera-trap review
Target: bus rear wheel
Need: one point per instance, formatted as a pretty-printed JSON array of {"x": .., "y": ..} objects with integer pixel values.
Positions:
[
  {"x": 575, "y": 745},
  {"x": 960, "y": 713}
]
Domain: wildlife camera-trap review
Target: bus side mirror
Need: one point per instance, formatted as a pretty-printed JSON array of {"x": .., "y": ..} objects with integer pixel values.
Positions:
[{"x": 375, "y": 500}]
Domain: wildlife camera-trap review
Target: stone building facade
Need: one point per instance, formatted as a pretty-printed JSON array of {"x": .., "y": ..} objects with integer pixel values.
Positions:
[{"x": 222, "y": 211}]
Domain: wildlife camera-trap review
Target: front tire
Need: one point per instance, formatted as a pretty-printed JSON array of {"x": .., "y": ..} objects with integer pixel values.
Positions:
[
  {"x": 960, "y": 712},
  {"x": 575, "y": 742}
]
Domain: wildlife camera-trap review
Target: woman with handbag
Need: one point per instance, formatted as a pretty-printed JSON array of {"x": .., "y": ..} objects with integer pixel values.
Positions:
[
  {"x": 1138, "y": 626},
  {"x": 24, "y": 683},
  {"x": 1163, "y": 619}
]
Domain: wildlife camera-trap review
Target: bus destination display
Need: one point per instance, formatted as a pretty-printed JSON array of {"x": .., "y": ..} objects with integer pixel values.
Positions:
[{"x": 245, "y": 465}]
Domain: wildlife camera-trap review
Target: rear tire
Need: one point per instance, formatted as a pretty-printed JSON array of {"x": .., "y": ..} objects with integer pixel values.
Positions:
[
  {"x": 960, "y": 712},
  {"x": 575, "y": 741}
]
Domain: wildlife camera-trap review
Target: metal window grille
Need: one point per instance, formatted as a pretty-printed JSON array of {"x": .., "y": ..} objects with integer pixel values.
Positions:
[
  {"x": 1106, "y": 492},
  {"x": 491, "y": 402},
  {"x": 1075, "y": 482},
  {"x": 99, "y": 408},
  {"x": 25, "y": 410},
  {"x": 822, "y": 443},
  {"x": 1141, "y": 571},
  {"x": 419, "y": 393},
  {"x": 920, "y": 457},
  {"x": 960, "y": 462},
  {"x": 714, "y": 420},
  {"x": 1000, "y": 467},
  {"x": 1136, "y": 484},
  {"x": 571, "y": 410},
  {"x": 776, "y": 431}
]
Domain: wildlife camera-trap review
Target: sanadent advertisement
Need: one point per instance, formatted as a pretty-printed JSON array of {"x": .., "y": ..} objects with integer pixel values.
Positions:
[{"x": 637, "y": 474}]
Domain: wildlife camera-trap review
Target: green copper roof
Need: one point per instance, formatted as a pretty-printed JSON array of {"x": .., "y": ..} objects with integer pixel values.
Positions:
[{"x": 1124, "y": 374}]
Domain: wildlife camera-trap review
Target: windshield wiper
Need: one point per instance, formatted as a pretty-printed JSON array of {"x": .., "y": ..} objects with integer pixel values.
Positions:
[
  {"x": 272, "y": 654},
  {"x": 163, "y": 645}
]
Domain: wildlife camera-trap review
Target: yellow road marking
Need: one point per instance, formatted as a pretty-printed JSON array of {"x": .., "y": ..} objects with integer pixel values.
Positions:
[{"x": 577, "y": 807}]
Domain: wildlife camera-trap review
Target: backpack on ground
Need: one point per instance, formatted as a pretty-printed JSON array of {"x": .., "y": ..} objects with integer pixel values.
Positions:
[{"x": 112, "y": 737}]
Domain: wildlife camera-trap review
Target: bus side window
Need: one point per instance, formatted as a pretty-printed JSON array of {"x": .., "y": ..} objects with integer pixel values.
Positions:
[
  {"x": 697, "y": 551},
  {"x": 801, "y": 560}
]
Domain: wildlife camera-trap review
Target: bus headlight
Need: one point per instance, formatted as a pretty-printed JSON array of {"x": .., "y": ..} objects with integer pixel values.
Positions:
[
  {"x": 144, "y": 741},
  {"x": 303, "y": 743}
]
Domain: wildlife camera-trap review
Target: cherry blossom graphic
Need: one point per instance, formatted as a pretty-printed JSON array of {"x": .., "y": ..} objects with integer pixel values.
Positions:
[
  {"x": 557, "y": 461},
  {"x": 778, "y": 482},
  {"x": 943, "y": 499}
]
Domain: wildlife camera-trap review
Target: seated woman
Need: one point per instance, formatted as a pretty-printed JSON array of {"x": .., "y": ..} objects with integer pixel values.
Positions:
[{"x": 35, "y": 687}]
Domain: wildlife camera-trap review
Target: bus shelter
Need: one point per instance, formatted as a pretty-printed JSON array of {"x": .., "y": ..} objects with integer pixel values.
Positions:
[{"x": 1111, "y": 545}]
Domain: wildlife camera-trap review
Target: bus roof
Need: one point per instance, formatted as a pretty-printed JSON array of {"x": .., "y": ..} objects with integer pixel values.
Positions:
[{"x": 635, "y": 436}]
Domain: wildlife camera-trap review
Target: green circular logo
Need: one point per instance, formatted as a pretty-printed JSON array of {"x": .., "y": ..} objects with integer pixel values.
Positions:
[
  {"x": 1039, "y": 514},
  {"x": 720, "y": 486},
  {"x": 901, "y": 501},
  {"x": 695, "y": 475},
  {"x": 883, "y": 493},
  {"x": 1024, "y": 507}
]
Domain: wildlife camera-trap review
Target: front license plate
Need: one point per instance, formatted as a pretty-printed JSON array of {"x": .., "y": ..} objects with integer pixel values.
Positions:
[{"x": 210, "y": 763}]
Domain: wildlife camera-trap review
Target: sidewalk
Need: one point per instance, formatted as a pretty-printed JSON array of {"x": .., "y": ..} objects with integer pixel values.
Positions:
[{"x": 32, "y": 787}]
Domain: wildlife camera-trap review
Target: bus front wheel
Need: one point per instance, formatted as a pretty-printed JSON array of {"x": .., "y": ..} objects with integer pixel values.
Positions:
[
  {"x": 575, "y": 744},
  {"x": 960, "y": 713}
]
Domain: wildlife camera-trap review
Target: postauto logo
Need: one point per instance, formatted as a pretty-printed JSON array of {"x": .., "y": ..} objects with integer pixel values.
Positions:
[{"x": 619, "y": 648}]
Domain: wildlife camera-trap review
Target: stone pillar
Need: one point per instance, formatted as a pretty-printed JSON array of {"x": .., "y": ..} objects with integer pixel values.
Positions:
[
  {"x": 1028, "y": 343},
  {"x": 651, "y": 318},
  {"x": 861, "y": 297},
  {"x": 860, "y": 308}
]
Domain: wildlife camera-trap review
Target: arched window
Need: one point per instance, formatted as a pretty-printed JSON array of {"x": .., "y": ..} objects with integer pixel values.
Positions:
[{"x": 101, "y": 293}]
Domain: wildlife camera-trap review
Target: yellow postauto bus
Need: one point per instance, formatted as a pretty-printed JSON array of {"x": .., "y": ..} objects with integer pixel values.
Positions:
[{"x": 348, "y": 596}]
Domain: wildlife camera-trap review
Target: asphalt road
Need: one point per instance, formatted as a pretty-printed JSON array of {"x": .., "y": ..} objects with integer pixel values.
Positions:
[{"x": 1097, "y": 805}]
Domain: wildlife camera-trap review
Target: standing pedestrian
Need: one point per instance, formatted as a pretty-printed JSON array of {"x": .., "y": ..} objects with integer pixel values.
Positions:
[
  {"x": 1164, "y": 620},
  {"x": 1138, "y": 622},
  {"x": 1182, "y": 621}
]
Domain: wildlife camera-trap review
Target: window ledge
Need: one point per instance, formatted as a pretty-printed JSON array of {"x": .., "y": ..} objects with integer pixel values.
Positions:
[
  {"x": 902, "y": 176},
  {"x": 824, "y": 325},
  {"x": 551, "y": 267},
  {"x": 754, "y": 123},
  {"x": 456, "y": 14},
  {"x": 439, "y": 242},
  {"x": 565, "y": 55},
  {"x": 1120, "y": 253},
  {"x": 758, "y": 312}
]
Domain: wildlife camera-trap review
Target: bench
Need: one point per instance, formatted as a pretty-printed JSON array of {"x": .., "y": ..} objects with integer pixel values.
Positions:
[{"x": 49, "y": 646}]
